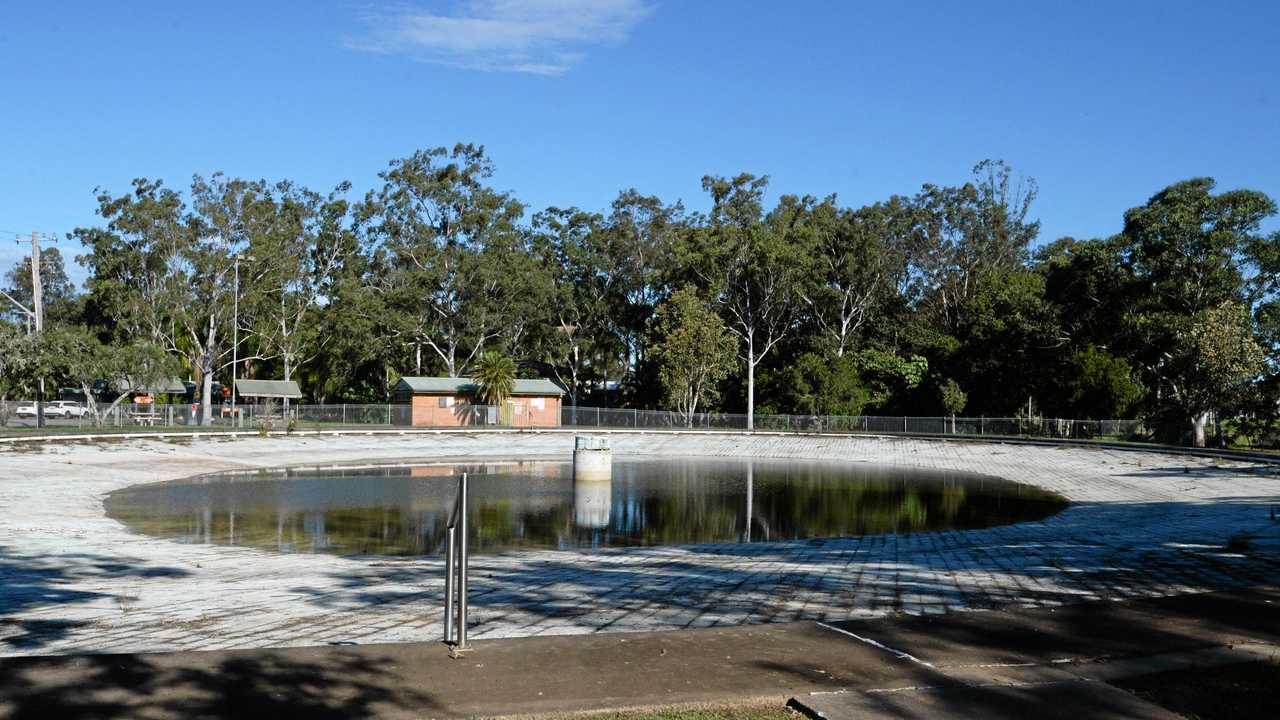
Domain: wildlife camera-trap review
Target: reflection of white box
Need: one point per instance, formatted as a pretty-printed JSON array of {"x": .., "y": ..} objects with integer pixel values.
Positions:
[
  {"x": 592, "y": 502},
  {"x": 538, "y": 403}
]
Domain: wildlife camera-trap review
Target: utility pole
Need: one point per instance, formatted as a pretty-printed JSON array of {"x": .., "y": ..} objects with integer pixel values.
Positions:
[
  {"x": 37, "y": 314},
  {"x": 235, "y": 336}
]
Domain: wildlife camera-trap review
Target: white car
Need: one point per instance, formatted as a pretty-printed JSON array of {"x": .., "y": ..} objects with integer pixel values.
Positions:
[
  {"x": 66, "y": 409},
  {"x": 56, "y": 409}
]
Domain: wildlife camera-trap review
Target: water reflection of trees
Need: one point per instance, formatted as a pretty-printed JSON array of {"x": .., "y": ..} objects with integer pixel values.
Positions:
[{"x": 399, "y": 512}]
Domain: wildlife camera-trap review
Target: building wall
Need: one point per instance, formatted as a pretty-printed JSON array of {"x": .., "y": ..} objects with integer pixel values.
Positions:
[
  {"x": 426, "y": 411},
  {"x": 535, "y": 411}
]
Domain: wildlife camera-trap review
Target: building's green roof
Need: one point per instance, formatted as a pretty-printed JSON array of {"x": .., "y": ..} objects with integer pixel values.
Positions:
[
  {"x": 268, "y": 388},
  {"x": 467, "y": 386},
  {"x": 170, "y": 386}
]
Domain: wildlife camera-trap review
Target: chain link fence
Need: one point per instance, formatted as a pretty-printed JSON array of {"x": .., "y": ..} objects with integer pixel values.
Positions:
[
  {"x": 878, "y": 424},
  {"x": 60, "y": 416},
  {"x": 18, "y": 416}
]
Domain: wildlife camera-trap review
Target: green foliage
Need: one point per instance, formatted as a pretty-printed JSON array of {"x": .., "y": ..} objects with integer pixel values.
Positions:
[
  {"x": 837, "y": 310},
  {"x": 17, "y": 362},
  {"x": 693, "y": 350},
  {"x": 818, "y": 384},
  {"x": 495, "y": 378},
  {"x": 751, "y": 265},
  {"x": 1219, "y": 356},
  {"x": 448, "y": 255},
  {"x": 75, "y": 356},
  {"x": 887, "y": 375},
  {"x": 1097, "y": 384},
  {"x": 59, "y": 292},
  {"x": 951, "y": 397}
]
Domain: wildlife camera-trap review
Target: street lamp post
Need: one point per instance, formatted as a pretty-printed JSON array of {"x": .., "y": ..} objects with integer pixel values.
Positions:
[{"x": 235, "y": 335}]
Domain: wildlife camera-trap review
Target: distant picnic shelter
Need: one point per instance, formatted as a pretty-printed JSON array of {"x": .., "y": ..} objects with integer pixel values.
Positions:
[{"x": 259, "y": 391}]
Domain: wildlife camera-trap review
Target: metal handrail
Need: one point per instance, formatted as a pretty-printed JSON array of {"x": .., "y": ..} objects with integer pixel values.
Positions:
[{"x": 455, "y": 578}]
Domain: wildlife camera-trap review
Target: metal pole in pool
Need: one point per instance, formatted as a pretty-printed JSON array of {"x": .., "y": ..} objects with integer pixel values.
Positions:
[
  {"x": 448, "y": 583},
  {"x": 462, "y": 567}
]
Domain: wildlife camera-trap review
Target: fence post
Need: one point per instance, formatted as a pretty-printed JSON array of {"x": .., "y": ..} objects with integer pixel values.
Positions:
[
  {"x": 388, "y": 414},
  {"x": 597, "y": 417},
  {"x": 904, "y": 423},
  {"x": 344, "y": 413},
  {"x": 635, "y": 417}
]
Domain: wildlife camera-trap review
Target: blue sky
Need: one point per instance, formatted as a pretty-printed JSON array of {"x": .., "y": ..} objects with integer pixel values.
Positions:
[{"x": 1103, "y": 103}]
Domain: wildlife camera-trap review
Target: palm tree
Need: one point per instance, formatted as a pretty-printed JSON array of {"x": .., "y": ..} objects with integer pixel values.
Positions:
[{"x": 495, "y": 380}]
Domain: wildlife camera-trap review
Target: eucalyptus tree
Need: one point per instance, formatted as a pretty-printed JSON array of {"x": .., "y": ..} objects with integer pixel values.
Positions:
[
  {"x": 354, "y": 362},
  {"x": 980, "y": 229},
  {"x": 76, "y": 355},
  {"x": 161, "y": 271},
  {"x": 59, "y": 293},
  {"x": 694, "y": 351},
  {"x": 751, "y": 265},
  {"x": 1194, "y": 254},
  {"x": 299, "y": 242},
  {"x": 569, "y": 243},
  {"x": 447, "y": 241},
  {"x": 17, "y": 365},
  {"x": 639, "y": 236},
  {"x": 860, "y": 260}
]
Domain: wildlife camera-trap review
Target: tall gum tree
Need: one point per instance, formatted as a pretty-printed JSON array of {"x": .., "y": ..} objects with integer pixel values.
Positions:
[
  {"x": 569, "y": 243},
  {"x": 299, "y": 241},
  {"x": 639, "y": 236},
  {"x": 447, "y": 240},
  {"x": 860, "y": 259},
  {"x": 751, "y": 265},
  {"x": 1193, "y": 254},
  {"x": 162, "y": 272},
  {"x": 980, "y": 229},
  {"x": 694, "y": 352}
]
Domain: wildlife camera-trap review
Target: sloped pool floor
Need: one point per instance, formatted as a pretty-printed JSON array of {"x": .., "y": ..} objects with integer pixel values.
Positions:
[{"x": 73, "y": 580}]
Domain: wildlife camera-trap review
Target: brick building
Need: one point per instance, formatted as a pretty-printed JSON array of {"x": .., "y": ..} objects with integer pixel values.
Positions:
[{"x": 452, "y": 402}]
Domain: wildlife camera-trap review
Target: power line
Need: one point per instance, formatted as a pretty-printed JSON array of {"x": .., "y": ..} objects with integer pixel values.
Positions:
[{"x": 27, "y": 234}]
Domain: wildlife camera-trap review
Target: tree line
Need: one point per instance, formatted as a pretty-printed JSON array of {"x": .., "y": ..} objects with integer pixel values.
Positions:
[{"x": 936, "y": 303}]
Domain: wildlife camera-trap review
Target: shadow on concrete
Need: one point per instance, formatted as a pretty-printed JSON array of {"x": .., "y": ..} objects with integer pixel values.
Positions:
[
  {"x": 28, "y": 582},
  {"x": 1015, "y": 663},
  {"x": 1091, "y": 551},
  {"x": 1189, "y": 470},
  {"x": 1084, "y": 632},
  {"x": 267, "y": 685}
]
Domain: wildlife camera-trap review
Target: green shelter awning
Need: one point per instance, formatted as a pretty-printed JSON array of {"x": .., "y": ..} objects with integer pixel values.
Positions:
[{"x": 279, "y": 389}]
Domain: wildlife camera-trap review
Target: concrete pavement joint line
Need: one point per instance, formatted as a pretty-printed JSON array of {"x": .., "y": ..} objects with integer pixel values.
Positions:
[
  {"x": 1140, "y": 525},
  {"x": 900, "y": 654}
]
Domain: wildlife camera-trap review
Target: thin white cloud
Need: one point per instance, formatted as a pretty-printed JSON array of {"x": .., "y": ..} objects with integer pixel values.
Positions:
[{"x": 541, "y": 37}]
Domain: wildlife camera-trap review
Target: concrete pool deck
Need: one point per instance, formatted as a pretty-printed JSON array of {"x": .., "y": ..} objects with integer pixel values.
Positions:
[
  {"x": 1042, "y": 663},
  {"x": 1142, "y": 524}
]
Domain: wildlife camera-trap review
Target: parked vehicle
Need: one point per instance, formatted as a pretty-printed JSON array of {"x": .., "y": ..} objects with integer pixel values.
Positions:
[
  {"x": 56, "y": 409},
  {"x": 65, "y": 409}
]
